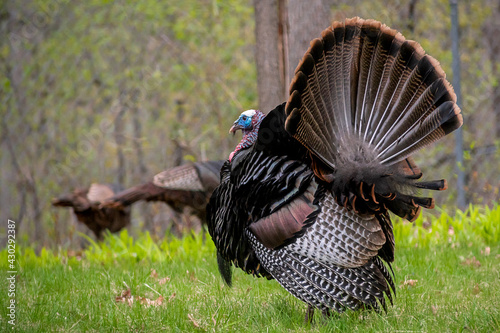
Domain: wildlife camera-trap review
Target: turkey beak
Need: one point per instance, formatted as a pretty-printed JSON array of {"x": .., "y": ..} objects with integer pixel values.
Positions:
[{"x": 235, "y": 127}]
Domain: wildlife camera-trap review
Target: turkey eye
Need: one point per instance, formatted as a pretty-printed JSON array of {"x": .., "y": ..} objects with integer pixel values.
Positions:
[{"x": 244, "y": 118}]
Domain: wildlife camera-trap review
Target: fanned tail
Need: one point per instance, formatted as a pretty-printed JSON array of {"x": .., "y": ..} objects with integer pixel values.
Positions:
[{"x": 362, "y": 101}]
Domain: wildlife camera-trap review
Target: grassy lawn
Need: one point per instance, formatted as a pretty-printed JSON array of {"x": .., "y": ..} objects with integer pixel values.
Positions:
[{"x": 116, "y": 286}]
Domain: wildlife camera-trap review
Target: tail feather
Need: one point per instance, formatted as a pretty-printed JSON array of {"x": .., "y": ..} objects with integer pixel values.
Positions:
[
  {"x": 403, "y": 209},
  {"x": 367, "y": 75},
  {"x": 435, "y": 185},
  {"x": 443, "y": 121},
  {"x": 412, "y": 115},
  {"x": 417, "y": 201},
  {"x": 401, "y": 67},
  {"x": 363, "y": 100},
  {"x": 350, "y": 68},
  {"x": 389, "y": 44},
  {"x": 325, "y": 85},
  {"x": 410, "y": 169}
]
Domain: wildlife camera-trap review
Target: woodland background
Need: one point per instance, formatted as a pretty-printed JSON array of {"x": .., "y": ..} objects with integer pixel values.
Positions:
[{"x": 117, "y": 91}]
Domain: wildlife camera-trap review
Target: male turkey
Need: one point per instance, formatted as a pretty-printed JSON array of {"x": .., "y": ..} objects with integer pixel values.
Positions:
[
  {"x": 86, "y": 206},
  {"x": 305, "y": 197},
  {"x": 189, "y": 185}
]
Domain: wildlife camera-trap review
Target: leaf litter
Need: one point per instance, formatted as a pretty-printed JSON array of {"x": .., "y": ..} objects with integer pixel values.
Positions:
[
  {"x": 408, "y": 283},
  {"x": 127, "y": 297},
  {"x": 471, "y": 262}
]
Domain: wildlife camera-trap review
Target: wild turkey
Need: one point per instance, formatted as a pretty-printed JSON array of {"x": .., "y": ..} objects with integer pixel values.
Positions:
[
  {"x": 305, "y": 196},
  {"x": 189, "y": 185},
  {"x": 86, "y": 206}
]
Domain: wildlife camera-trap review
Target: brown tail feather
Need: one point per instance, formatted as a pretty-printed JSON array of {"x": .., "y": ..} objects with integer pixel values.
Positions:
[
  {"x": 362, "y": 101},
  {"x": 435, "y": 185}
]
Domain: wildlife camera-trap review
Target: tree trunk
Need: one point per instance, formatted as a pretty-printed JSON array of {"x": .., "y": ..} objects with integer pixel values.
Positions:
[
  {"x": 491, "y": 33},
  {"x": 411, "y": 22},
  {"x": 120, "y": 141},
  {"x": 283, "y": 31},
  {"x": 268, "y": 56},
  {"x": 137, "y": 122},
  {"x": 492, "y": 41},
  {"x": 306, "y": 21},
  {"x": 178, "y": 155}
]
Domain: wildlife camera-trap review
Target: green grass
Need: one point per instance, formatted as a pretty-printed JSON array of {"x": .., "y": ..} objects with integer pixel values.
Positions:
[{"x": 457, "y": 287}]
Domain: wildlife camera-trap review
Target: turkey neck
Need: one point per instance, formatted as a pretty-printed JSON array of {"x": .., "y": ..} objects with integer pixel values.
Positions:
[{"x": 249, "y": 137}]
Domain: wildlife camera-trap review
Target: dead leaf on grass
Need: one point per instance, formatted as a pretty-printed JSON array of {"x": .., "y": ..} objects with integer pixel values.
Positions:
[
  {"x": 411, "y": 283},
  {"x": 154, "y": 275},
  {"x": 195, "y": 323},
  {"x": 213, "y": 320},
  {"x": 471, "y": 262},
  {"x": 164, "y": 280},
  {"x": 127, "y": 298},
  {"x": 486, "y": 251},
  {"x": 476, "y": 289},
  {"x": 76, "y": 254},
  {"x": 125, "y": 294},
  {"x": 191, "y": 276},
  {"x": 434, "y": 309},
  {"x": 149, "y": 302}
]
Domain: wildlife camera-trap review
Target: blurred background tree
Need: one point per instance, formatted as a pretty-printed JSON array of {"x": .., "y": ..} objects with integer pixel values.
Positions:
[
  {"x": 283, "y": 33},
  {"x": 116, "y": 91}
]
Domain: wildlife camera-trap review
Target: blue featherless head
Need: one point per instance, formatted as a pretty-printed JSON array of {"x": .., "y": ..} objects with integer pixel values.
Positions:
[
  {"x": 244, "y": 123},
  {"x": 249, "y": 123}
]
